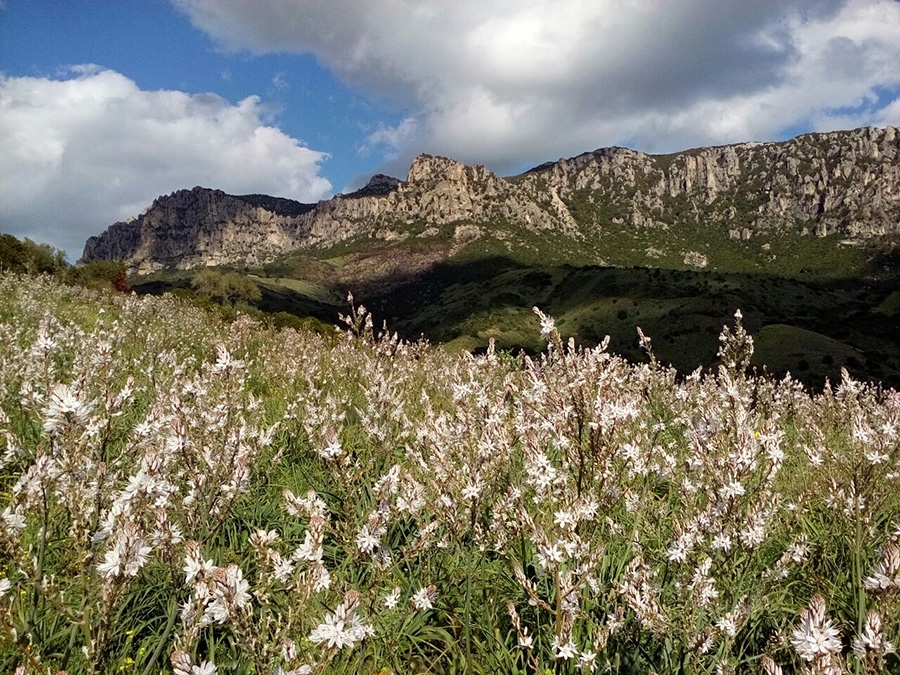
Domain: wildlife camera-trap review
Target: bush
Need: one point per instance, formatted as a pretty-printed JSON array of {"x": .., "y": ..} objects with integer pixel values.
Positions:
[
  {"x": 100, "y": 274},
  {"x": 27, "y": 257},
  {"x": 227, "y": 288}
]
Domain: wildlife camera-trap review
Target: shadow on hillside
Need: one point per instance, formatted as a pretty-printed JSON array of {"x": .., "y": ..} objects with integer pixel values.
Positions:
[{"x": 809, "y": 328}]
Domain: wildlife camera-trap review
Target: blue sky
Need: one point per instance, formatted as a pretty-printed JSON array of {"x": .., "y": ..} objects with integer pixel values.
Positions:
[
  {"x": 106, "y": 104},
  {"x": 152, "y": 43}
]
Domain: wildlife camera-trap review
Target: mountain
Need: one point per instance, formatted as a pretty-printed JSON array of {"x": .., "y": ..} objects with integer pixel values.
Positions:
[
  {"x": 677, "y": 209},
  {"x": 802, "y": 236}
]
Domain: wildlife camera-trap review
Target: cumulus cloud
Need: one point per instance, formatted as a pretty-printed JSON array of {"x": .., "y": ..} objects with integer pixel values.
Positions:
[
  {"x": 516, "y": 81},
  {"x": 92, "y": 148}
]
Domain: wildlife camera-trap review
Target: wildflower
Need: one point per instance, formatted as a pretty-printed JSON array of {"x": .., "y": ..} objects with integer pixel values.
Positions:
[
  {"x": 885, "y": 576},
  {"x": 5, "y": 585},
  {"x": 311, "y": 548},
  {"x": 702, "y": 584},
  {"x": 816, "y": 636},
  {"x": 195, "y": 567},
  {"x": 872, "y": 640},
  {"x": 548, "y": 326},
  {"x": 587, "y": 659},
  {"x": 722, "y": 542},
  {"x": 526, "y": 641},
  {"x": 731, "y": 490},
  {"x": 754, "y": 534},
  {"x": 366, "y": 541},
  {"x": 680, "y": 548},
  {"x": 321, "y": 578},
  {"x": 12, "y": 520},
  {"x": 181, "y": 665},
  {"x": 127, "y": 555},
  {"x": 224, "y": 361},
  {"x": 471, "y": 491},
  {"x": 230, "y": 595},
  {"x": 391, "y": 599},
  {"x": 565, "y": 519},
  {"x": 343, "y": 627},
  {"x": 549, "y": 556},
  {"x": 289, "y": 651},
  {"x": 65, "y": 407},
  {"x": 262, "y": 539},
  {"x": 564, "y": 651},
  {"x": 727, "y": 625},
  {"x": 422, "y": 599}
]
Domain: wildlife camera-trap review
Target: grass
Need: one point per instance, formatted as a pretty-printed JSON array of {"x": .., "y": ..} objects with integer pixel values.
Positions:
[{"x": 527, "y": 514}]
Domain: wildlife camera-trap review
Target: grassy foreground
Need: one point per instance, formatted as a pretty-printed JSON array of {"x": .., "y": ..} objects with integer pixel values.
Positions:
[{"x": 187, "y": 496}]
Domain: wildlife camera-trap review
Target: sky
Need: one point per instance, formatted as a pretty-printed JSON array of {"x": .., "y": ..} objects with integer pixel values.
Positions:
[{"x": 106, "y": 104}]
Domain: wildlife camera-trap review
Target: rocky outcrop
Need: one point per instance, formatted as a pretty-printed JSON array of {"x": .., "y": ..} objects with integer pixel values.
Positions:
[
  {"x": 840, "y": 182},
  {"x": 844, "y": 182}
]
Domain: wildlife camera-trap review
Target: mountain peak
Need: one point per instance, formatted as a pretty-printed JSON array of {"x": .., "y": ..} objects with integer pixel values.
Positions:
[{"x": 816, "y": 184}]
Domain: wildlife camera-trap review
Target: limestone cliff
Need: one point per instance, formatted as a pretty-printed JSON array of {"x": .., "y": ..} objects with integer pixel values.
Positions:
[
  {"x": 844, "y": 182},
  {"x": 840, "y": 182}
]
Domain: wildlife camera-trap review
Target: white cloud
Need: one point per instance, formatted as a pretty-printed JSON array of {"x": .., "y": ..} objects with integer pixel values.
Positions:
[
  {"x": 516, "y": 81},
  {"x": 82, "y": 152},
  {"x": 391, "y": 139}
]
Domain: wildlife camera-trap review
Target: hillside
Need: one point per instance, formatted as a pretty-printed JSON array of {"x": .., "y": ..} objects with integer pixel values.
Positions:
[
  {"x": 799, "y": 234},
  {"x": 683, "y": 206}
]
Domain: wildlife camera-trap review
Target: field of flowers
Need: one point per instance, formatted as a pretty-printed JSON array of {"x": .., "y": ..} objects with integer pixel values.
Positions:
[{"x": 183, "y": 495}]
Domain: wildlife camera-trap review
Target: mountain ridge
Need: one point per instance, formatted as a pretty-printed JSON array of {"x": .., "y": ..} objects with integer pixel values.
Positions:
[{"x": 845, "y": 183}]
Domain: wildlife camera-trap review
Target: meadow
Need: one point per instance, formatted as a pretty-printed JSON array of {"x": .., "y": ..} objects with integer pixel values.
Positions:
[{"x": 183, "y": 494}]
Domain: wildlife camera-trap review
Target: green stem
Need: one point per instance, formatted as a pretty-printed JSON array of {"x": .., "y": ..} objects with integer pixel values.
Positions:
[
  {"x": 39, "y": 572},
  {"x": 468, "y": 627},
  {"x": 164, "y": 638},
  {"x": 858, "y": 574}
]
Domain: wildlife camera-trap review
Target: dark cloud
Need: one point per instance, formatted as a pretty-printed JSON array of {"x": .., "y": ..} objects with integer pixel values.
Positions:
[{"x": 513, "y": 80}]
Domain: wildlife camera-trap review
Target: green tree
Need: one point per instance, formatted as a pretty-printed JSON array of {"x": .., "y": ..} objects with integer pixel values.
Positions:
[
  {"x": 100, "y": 274},
  {"x": 29, "y": 257},
  {"x": 227, "y": 288}
]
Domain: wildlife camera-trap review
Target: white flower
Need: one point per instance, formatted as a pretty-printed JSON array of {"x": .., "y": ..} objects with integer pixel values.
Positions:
[
  {"x": 310, "y": 550},
  {"x": 195, "y": 566},
  {"x": 65, "y": 407},
  {"x": 181, "y": 665},
  {"x": 342, "y": 628},
  {"x": 564, "y": 651},
  {"x": 722, "y": 542},
  {"x": 679, "y": 549},
  {"x": 587, "y": 659},
  {"x": 127, "y": 555},
  {"x": 366, "y": 541},
  {"x": 733, "y": 489},
  {"x": 548, "y": 326},
  {"x": 549, "y": 556},
  {"x": 565, "y": 519},
  {"x": 205, "y": 668},
  {"x": 727, "y": 625},
  {"x": 392, "y": 598},
  {"x": 816, "y": 634},
  {"x": 471, "y": 491},
  {"x": 12, "y": 520},
  {"x": 322, "y": 580},
  {"x": 263, "y": 538},
  {"x": 231, "y": 593},
  {"x": 526, "y": 641},
  {"x": 5, "y": 585},
  {"x": 422, "y": 599},
  {"x": 282, "y": 568}
]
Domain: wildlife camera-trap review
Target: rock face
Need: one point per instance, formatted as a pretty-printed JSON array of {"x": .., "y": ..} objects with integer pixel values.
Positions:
[{"x": 840, "y": 182}]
